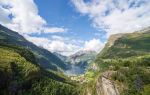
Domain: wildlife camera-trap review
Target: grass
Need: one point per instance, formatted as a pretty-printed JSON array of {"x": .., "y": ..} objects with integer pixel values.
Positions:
[{"x": 8, "y": 56}]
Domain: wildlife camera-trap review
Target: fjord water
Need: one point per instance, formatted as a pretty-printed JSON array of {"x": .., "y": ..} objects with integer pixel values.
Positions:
[{"x": 74, "y": 70}]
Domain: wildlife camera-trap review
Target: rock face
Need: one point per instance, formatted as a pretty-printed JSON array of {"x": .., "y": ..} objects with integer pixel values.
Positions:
[
  {"x": 113, "y": 38},
  {"x": 105, "y": 86},
  {"x": 82, "y": 56}
]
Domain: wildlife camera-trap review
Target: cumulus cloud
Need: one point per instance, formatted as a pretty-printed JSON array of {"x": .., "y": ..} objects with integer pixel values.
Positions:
[
  {"x": 116, "y": 16},
  {"x": 4, "y": 15},
  {"x": 24, "y": 17},
  {"x": 93, "y": 45},
  {"x": 39, "y": 41},
  {"x": 54, "y": 45},
  {"x": 63, "y": 46}
]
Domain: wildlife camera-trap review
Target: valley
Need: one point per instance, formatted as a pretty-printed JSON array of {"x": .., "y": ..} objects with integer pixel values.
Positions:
[
  {"x": 79, "y": 62},
  {"x": 121, "y": 68},
  {"x": 74, "y": 47}
]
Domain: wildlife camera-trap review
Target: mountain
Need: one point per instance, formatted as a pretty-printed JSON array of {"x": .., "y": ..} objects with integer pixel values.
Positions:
[
  {"x": 127, "y": 45},
  {"x": 62, "y": 57},
  {"x": 44, "y": 58},
  {"x": 20, "y": 74},
  {"x": 77, "y": 57},
  {"x": 82, "y": 58},
  {"x": 79, "y": 62},
  {"x": 124, "y": 65}
]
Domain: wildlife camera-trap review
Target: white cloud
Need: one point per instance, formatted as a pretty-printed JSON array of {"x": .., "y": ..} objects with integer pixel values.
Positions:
[
  {"x": 62, "y": 47},
  {"x": 25, "y": 17},
  {"x": 39, "y": 41},
  {"x": 66, "y": 46},
  {"x": 54, "y": 30},
  {"x": 55, "y": 45},
  {"x": 116, "y": 16},
  {"x": 4, "y": 15},
  {"x": 60, "y": 44},
  {"x": 60, "y": 38},
  {"x": 93, "y": 45}
]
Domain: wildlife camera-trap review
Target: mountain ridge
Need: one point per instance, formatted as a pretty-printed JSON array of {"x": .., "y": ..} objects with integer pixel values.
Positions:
[
  {"x": 126, "y": 63},
  {"x": 126, "y": 42},
  {"x": 47, "y": 59}
]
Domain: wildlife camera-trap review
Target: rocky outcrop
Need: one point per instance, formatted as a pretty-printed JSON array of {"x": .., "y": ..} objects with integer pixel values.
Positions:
[
  {"x": 113, "y": 38},
  {"x": 105, "y": 86}
]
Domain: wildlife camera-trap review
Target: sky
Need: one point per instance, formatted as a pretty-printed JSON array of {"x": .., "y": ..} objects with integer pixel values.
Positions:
[{"x": 67, "y": 26}]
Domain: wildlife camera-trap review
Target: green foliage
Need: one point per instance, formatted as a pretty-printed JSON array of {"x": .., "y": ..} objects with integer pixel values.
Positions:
[
  {"x": 133, "y": 72},
  {"x": 133, "y": 44},
  {"x": 18, "y": 76},
  {"x": 129, "y": 57},
  {"x": 146, "y": 90},
  {"x": 43, "y": 57},
  {"x": 46, "y": 86}
]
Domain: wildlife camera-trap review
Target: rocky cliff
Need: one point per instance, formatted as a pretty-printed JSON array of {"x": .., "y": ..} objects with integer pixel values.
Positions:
[{"x": 105, "y": 86}]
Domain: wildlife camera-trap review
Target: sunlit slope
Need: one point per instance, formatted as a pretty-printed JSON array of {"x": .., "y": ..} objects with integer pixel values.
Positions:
[
  {"x": 127, "y": 45},
  {"x": 19, "y": 75},
  {"x": 44, "y": 58},
  {"x": 126, "y": 60}
]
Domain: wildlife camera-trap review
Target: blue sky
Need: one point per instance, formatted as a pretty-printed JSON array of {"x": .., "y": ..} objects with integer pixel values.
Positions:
[
  {"x": 62, "y": 13},
  {"x": 67, "y": 26}
]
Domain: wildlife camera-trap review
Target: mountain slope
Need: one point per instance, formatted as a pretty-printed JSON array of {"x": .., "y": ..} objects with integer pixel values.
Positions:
[
  {"x": 127, "y": 45},
  {"x": 45, "y": 58},
  {"x": 62, "y": 57},
  {"x": 79, "y": 62},
  {"x": 19, "y": 75},
  {"x": 126, "y": 60},
  {"x": 82, "y": 56}
]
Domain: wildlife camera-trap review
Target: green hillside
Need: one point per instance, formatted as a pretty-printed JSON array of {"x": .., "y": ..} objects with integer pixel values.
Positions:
[
  {"x": 21, "y": 75},
  {"x": 23, "y": 68},
  {"x": 44, "y": 58},
  {"x": 128, "y": 58},
  {"x": 125, "y": 60},
  {"x": 127, "y": 45}
]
